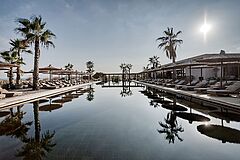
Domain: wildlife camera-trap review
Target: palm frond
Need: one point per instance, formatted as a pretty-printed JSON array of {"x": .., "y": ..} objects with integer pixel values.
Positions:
[
  {"x": 23, "y": 21},
  {"x": 28, "y": 51},
  {"x": 162, "y": 44}
]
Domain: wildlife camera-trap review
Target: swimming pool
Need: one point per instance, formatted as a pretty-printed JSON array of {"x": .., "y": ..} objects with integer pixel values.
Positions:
[{"x": 119, "y": 123}]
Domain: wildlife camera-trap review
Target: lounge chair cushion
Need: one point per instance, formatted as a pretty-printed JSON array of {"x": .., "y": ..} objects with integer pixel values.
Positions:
[{"x": 234, "y": 88}]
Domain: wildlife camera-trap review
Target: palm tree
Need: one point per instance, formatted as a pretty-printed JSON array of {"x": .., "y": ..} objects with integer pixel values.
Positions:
[
  {"x": 169, "y": 43},
  {"x": 12, "y": 58},
  {"x": 35, "y": 33},
  {"x": 129, "y": 67},
  {"x": 154, "y": 62},
  {"x": 69, "y": 67},
  {"x": 123, "y": 68},
  {"x": 145, "y": 68},
  {"x": 90, "y": 70},
  {"x": 20, "y": 46}
]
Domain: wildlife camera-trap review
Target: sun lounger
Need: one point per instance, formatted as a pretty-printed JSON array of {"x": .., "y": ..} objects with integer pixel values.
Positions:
[
  {"x": 194, "y": 82},
  {"x": 47, "y": 86},
  {"x": 215, "y": 86},
  {"x": 180, "y": 82},
  {"x": 2, "y": 96},
  {"x": 201, "y": 84},
  {"x": 171, "y": 83},
  {"x": 232, "y": 89},
  {"x": 9, "y": 93},
  {"x": 167, "y": 81}
]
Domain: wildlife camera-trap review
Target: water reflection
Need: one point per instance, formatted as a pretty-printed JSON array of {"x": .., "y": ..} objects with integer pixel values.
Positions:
[
  {"x": 192, "y": 117},
  {"x": 90, "y": 94},
  {"x": 171, "y": 128},
  {"x": 126, "y": 90},
  {"x": 220, "y": 132},
  {"x": 4, "y": 113},
  {"x": 226, "y": 115},
  {"x": 13, "y": 126},
  {"x": 99, "y": 131},
  {"x": 51, "y": 106},
  {"x": 38, "y": 146},
  {"x": 154, "y": 104}
]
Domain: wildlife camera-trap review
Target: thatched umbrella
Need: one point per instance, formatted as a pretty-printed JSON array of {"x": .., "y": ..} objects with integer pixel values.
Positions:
[
  {"x": 49, "y": 70},
  {"x": 4, "y": 64},
  {"x": 221, "y": 58},
  {"x": 4, "y": 68},
  {"x": 63, "y": 72}
]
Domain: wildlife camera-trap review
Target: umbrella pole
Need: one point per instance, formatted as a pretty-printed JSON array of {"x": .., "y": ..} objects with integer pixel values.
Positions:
[
  {"x": 50, "y": 75},
  {"x": 221, "y": 74},
  {"x": 163, "y": 76},
  {"x": 190, "y": 73},
  {"x": 201, "y": 74},
  {"x": 238, "y": 70},
  {"x": 182, "y": 72},
  {"x": 226, "y": 73}
]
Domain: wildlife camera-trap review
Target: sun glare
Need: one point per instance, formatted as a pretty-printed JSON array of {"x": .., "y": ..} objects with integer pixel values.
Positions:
[{"x": 205, "y": 28}]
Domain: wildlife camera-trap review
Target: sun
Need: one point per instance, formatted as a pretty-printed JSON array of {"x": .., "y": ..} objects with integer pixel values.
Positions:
[{"x": 205, "y": 28}]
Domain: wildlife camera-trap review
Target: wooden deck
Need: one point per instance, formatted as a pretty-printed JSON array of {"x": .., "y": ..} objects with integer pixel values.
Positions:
[
  {"x": 26, "y": 98},
  {"x": 203, "y": 99}
]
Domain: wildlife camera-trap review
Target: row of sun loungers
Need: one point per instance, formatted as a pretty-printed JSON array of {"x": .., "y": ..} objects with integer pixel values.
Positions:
[
  {"x": 58, "y": 84},
  {"x": 43, "y": 85},
  {"x": 212, "y": 87}
]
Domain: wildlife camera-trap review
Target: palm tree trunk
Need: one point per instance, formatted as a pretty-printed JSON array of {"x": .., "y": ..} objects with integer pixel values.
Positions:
[
  {"x": 18, "y": 76},
  {"x": 18, "y": 71},
  {"x": 36, "y": 121},
  {"x": 122, "y": 75},
  {"x": 174, "y": 70},
  {"x": 36, "y": 65},
  {"x": 11, "y": 77},
  {"x": 11, "y": 112}
]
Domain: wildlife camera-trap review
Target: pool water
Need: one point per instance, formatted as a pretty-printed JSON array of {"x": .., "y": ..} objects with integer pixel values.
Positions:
[{"x": 119, "y": 123}]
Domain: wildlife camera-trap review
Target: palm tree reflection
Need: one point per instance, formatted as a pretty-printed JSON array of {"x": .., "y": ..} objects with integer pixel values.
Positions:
[
  {"x": 154, "y": 104},
  {"x": 36, "y": 147},
  {"x": 90, "y": 95},
  {"x": 126, "y": 91},
  {"x": 12, "y": 125},
  {"x": 171, "y": 128}
]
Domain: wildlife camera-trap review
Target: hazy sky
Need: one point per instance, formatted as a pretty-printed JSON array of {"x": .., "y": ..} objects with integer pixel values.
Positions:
[{"x": 110, "y": 32}]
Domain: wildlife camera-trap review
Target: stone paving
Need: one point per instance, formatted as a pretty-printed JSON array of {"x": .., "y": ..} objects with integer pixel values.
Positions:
[{"x": 33, "y": 96}]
